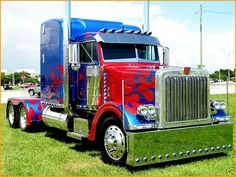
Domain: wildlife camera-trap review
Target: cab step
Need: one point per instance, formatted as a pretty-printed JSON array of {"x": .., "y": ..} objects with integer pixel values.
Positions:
[
  {"x": 77, "y": 136},
  {"x": 81, "y": 129}
]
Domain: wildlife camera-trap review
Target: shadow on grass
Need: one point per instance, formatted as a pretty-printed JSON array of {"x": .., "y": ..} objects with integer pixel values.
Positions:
[
  {"x": 59, "y": 135},
  {"x": 91, "y": 148},
  {"x": 37, "y": 127},
  {"x": 176, "y": 162}
]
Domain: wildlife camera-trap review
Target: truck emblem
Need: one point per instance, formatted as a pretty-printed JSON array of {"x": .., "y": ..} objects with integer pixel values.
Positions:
[{"x": 187, "y": 70}]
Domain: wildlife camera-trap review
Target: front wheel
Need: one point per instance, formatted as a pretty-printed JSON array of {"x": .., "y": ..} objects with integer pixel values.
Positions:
[{"x": 113, "y": 142}]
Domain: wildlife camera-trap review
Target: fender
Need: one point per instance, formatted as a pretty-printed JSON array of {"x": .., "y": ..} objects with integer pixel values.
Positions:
[
  {"x": 109, "y": 106},
  {"x": 33, "y": 108}
]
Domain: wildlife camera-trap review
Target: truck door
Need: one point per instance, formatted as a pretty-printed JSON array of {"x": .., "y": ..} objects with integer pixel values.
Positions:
[{"x": 89, "y": 75}]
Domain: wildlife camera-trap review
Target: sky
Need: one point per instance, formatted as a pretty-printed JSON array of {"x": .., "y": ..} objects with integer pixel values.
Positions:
[{"x": 175, "y": 24}]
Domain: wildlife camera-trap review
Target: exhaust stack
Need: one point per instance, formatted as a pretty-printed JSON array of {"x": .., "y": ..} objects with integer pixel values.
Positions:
[
  {"x": 66, "y": 37},
  {"x": 146, "y": 16}
]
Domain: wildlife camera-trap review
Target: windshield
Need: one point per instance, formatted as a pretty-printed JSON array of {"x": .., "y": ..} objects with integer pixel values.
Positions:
[{"x": 129, "y": 51}]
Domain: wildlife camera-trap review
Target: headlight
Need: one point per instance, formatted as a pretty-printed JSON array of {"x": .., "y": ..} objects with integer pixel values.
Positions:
[
  {"x": 219, "y": 104},
  {"x": 151, "y": 110},
  {"x": 142, "y": 110},
  {"x": 146, "y": 110},
  {"x": 223, "y": 105}
]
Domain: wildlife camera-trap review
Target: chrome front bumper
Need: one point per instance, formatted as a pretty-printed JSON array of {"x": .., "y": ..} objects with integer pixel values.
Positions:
[{"x": 174, "y": 144}]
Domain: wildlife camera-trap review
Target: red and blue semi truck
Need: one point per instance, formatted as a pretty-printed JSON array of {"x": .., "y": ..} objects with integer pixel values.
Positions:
[{"x": 111, "y": 83}]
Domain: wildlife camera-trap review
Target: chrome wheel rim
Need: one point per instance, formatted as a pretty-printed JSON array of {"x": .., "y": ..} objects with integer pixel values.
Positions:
[
  {"x": 11, "y": 114},
  {"x": 22, "y": 118},
  {"x": 114, "y": 142}
]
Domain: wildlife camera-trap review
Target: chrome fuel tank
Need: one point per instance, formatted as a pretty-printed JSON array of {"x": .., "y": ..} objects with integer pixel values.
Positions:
[{"x": 56, "y": 119}]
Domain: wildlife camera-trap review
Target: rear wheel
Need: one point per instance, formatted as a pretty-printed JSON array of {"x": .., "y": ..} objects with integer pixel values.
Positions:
[
  {"x": 11, "y": 116},
  {"x": 23, "y": 118},
  {"x": 113, "y": 142}
]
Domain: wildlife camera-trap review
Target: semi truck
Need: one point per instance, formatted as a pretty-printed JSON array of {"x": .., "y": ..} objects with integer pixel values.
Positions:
[{"x": 109, "y": 82}]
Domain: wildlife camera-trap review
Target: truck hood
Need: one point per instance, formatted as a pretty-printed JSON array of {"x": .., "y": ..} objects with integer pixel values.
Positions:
[{"x": 139, "y": 83}]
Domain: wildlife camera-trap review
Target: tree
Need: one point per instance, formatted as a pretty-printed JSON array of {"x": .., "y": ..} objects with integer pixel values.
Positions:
[
  {"x": 223, "y": 74},
  {"x": 7, "y": 78}
]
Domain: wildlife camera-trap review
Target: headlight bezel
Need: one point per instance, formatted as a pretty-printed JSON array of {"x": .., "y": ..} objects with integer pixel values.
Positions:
[
  {"x": 151, "y": 111},
  {"x": 219, "y": 104},
  {"x": 142, "y": 110}
]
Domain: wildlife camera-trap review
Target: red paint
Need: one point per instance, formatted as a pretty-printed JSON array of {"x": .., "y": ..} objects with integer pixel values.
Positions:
[
  {"x": 104, "y": 108},
  {"x": 33, "y": 101}
]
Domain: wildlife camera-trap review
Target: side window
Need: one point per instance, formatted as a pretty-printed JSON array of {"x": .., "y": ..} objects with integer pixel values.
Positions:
[{"x": 88, "y": 52}]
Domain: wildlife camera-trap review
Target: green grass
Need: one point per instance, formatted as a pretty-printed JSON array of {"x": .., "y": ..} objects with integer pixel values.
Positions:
[{"x": 52, "y": 153}]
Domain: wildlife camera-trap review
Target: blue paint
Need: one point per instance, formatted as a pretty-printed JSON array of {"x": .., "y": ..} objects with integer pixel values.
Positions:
[
  {"x": 219, "y": 114},
  {"x": 51, "y": 56}
]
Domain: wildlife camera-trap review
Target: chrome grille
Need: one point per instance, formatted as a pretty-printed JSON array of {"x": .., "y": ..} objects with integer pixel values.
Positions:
[{"x": 186, "y": 98}]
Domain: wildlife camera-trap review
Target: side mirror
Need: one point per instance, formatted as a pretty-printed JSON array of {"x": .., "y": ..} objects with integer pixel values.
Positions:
[
  {"x": 164, "y": 55},
  {"x": 74, "y": 56}
]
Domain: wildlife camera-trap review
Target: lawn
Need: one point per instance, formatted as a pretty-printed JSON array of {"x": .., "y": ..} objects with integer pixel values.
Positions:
[{"x": 52, "y": 153}]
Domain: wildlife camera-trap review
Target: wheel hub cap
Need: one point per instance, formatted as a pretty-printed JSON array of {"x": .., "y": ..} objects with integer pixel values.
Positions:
[
  {"x": 114, "y": 141},
  {"x": 11, "y": 114},
  {"x": 23, "y": 118}
]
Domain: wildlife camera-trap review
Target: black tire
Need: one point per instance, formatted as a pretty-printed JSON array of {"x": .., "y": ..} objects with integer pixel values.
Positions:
[
  {"x": 12, "y": 115},
  {"x": 112, "y": 141},
  {"x": 23, "y": 119},
  {"x": 31, "y": 92}
]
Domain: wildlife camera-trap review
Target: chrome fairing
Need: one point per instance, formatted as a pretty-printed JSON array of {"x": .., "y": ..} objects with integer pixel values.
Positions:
[
  {"x": 179, "y": 143},
  {"x": 93, "y": 85},
  {"x": 182, "y": 99}
]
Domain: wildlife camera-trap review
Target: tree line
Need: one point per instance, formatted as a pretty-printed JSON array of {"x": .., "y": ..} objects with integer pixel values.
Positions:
[
  {"x": 223, "y": 74},
  {"x": 8, "y": 78}
]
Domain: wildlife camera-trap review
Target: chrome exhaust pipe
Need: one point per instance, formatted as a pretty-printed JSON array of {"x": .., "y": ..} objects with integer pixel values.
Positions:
[{"x": 66, "y": 37}]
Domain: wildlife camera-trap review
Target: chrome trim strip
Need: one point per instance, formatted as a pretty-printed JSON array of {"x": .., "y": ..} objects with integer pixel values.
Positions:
[
  {"x": 133, "y": 60},
  {"x": 123, "y": 102}
]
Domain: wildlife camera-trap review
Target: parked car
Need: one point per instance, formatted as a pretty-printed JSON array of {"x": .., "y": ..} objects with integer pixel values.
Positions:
[
  {"x": 7, "y": 87},
  {"x": 27, "y": 85},
  {"x": 34, "y": 90}
]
